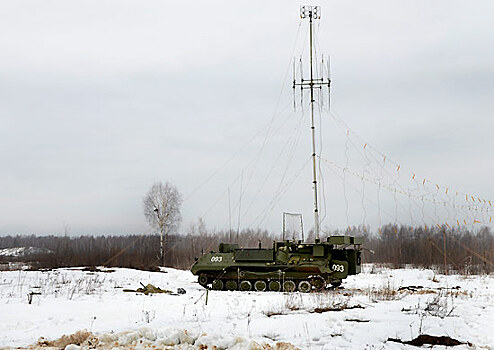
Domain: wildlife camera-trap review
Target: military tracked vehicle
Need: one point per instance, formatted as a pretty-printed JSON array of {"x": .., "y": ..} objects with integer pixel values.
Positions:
[{"x": 287, "y": 266}]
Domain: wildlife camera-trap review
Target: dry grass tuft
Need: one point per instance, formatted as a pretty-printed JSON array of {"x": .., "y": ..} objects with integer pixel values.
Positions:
[{"x": 278, "y": 346}]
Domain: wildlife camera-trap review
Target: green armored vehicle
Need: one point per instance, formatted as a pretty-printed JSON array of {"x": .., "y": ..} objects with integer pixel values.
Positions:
[{"x": 287, "y": 266}]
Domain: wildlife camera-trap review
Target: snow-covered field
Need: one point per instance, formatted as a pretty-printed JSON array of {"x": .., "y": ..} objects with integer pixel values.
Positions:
[{"x": 363, "y": 315}]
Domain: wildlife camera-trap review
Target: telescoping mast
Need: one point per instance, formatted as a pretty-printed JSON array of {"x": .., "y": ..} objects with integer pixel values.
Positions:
[{"x": 314, "y": 82}]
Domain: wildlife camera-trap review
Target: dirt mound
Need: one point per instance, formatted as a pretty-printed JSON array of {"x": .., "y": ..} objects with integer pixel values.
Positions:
[
  {"x": 425, "y": 339},
  {"x": 78, "y": 338}
]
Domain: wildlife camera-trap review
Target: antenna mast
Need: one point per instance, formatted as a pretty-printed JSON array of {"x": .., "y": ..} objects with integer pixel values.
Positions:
[{"x": 312, "y": 13}]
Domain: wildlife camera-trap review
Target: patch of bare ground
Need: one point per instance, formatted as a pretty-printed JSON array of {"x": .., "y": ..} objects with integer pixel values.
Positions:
[
  {"x": 425, "y": 339},
  {"x": 96, "y": 269},
  {"x": 320, "y": 310},
  {"x": 415, "y": 289},
  {"x": 356, "y": 320},
  {"x": 454, "y": 291},
  {"x": 272, "y": 313}
]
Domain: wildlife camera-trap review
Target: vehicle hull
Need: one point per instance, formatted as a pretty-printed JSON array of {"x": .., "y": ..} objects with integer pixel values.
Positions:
[{"x": 319, "y": 264}]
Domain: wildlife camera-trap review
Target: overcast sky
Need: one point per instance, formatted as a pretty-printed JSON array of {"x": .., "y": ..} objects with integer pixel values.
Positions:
[{"x": 99, "y": 99}]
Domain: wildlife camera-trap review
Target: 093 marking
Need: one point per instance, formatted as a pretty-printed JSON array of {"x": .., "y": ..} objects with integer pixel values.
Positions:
[{"x": 338, "y": 268}]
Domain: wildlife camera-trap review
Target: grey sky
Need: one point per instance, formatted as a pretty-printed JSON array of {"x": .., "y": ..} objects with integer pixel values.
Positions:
[{"x": 99, "y": 99}]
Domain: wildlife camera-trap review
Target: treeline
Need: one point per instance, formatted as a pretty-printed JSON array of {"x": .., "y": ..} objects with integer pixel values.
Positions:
[
  {"x": 466, "y": 252},
  {"x": 457, "y": 250},
  {"x": 134, "y": 251}
]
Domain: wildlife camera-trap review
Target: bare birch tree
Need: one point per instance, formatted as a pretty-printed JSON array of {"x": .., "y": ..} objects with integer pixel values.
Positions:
[{"x": 162, "y": 211}]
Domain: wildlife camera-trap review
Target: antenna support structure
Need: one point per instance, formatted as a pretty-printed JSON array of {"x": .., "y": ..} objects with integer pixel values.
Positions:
[{"x": 314, "y": 82}]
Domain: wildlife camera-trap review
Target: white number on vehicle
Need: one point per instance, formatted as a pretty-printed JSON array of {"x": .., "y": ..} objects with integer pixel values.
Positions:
[
  {"x": 338, "y": 268},
  {"x": 216, "y": 258}
]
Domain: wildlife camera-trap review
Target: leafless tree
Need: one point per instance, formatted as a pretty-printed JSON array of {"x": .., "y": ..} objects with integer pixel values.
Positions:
[{"x": 162, "y": 211}]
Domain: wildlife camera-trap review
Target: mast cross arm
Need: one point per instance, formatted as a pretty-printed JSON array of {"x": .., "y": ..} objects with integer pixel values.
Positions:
[{"x": 315, "y": 83}]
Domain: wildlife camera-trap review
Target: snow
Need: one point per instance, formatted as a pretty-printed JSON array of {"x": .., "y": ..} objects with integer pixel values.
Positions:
[
  {"x": 23, "y": 251},
  {"x": 373, "y": 309}
]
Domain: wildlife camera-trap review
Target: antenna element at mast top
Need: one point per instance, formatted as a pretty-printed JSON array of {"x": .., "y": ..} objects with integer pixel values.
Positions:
[{"x": 310, "y": 11}]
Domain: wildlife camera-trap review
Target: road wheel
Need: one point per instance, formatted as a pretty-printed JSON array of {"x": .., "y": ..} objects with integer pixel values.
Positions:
[
  {"x": 274, "y": 286},
  {"x": 231, "y": 285},
  {"x": 304, "y": 286},
  {"x": 289, "y": 286},
  {"x": 318, "y": 283},
  {"x": 245, "y": 286},
  {"x": 217, "y": 284},
  {"x": 203, "y": 280},
  {"x": 260, "y": 286}
]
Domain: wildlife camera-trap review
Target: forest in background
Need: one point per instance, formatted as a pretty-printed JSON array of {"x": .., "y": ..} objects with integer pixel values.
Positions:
[{"x": 398, "y": 246}]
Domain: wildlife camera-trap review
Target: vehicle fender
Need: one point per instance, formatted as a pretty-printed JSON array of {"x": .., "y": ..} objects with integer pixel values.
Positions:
[{"x": 212, "y": 261}]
